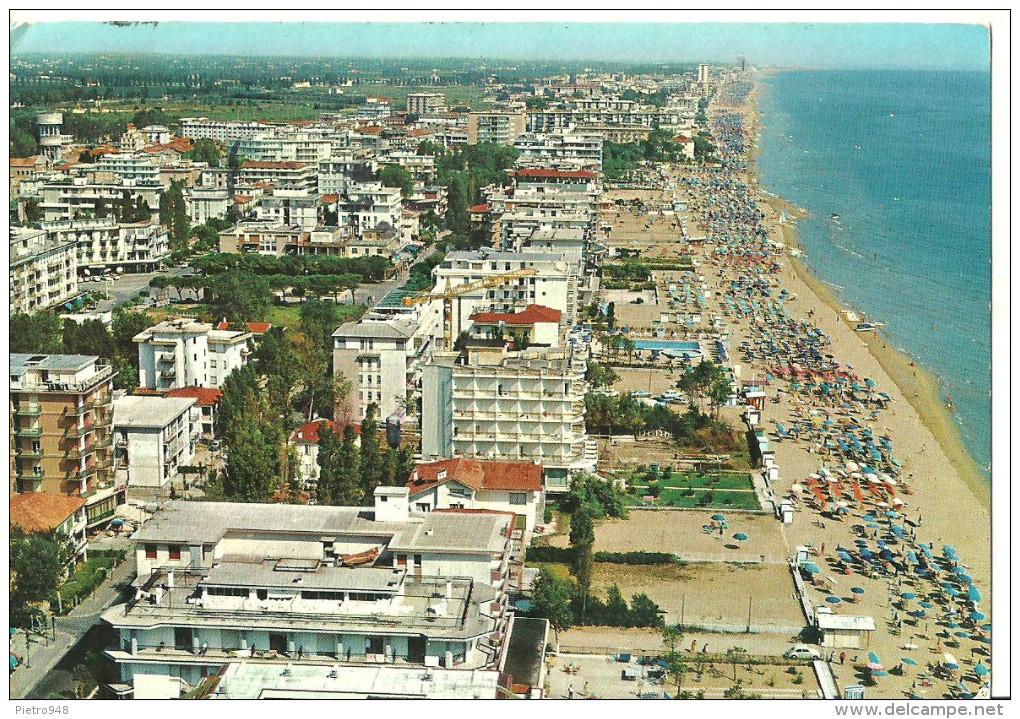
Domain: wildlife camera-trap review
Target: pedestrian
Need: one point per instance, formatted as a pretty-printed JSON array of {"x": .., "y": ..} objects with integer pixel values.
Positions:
[
  {"x": 694, "y": 645},
  {"x": 570, "y": 692},
  {"x": 586, "y": 689},
  {"x": 842, "y": 657},
  {"x": 704, "y": 648}
]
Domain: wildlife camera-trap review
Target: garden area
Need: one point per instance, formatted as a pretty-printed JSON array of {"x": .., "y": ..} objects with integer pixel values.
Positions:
[
  {"x": 86, "y": 578},
  {"x": 707, "y": 489}
]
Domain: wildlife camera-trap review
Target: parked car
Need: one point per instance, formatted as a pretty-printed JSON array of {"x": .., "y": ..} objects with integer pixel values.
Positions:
[{"x": 803, "y": 651}]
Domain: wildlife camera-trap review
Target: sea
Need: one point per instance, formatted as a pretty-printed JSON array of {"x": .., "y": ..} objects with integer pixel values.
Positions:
[{"x": 903, "y": 159}]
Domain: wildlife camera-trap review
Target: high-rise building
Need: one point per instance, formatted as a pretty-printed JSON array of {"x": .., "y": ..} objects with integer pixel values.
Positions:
[
  {"x": 703, "y": 74},
  {"x": 61, "y": 430}
]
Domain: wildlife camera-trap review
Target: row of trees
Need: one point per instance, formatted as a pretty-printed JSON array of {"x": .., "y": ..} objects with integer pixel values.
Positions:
[
  {"x": 565, "y": 605},
  {"x": 369, "y": 269},
  {"x": 44, "y": 333}
]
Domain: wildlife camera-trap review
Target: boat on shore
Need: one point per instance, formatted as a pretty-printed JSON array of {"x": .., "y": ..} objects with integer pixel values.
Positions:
[{"x": 868, "y": 326}]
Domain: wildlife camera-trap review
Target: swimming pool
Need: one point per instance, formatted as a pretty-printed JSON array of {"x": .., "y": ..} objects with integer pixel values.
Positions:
[{"x": 690, "y": 349}]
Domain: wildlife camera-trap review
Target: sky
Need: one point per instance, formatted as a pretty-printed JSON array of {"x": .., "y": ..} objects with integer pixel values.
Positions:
[{"x": 937, "y": 46}]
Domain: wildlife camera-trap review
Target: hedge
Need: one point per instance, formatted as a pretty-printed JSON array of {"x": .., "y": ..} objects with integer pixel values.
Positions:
[{"x": 565, "y": 555}]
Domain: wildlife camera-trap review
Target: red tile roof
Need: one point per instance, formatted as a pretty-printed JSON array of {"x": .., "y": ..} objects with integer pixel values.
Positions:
[
  {"x": 682, "y": 139},
  {"x": 531, "y": 314},
  {"x": 310, "y": 432},
  {"x": 256, "y": 328},
  {"x": 420, "y": 132},
  {"x": 330, "y": 199},
  {"x": 24, "y": 161},
  {"x": 372, "y": 129},
  {"x": 242, "y": 199},
  {"x": 567, "y": 174},
  {"x": 477, "y": 474},
  {"x": 257, "y": 165},
  {"x": 42, "y": 512},
  {"x": 481, "y": 208},
  {"x": 206, "y": 396}
]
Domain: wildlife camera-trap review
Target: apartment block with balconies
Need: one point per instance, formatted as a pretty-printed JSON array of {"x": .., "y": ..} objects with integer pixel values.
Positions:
[
  {"x": 61, "y": 431},
  {"x": 183, "y": 352}
]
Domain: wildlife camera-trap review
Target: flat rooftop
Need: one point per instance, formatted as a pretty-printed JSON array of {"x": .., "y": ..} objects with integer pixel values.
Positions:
[
  {"x": 276, "y": 573},
  {"x": 248, "y": 680},
  {"x": 144, "y": 412}
]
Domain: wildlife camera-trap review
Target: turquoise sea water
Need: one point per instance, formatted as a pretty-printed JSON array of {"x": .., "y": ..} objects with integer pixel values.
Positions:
[{"x": 903, "y": 157}]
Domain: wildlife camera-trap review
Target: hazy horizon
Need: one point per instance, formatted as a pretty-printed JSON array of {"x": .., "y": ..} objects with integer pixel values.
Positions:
[{"x": 783, "y": 45}]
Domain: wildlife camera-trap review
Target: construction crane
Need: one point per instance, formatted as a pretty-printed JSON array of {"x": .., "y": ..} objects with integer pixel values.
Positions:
[{"x": 451, "y": 293}]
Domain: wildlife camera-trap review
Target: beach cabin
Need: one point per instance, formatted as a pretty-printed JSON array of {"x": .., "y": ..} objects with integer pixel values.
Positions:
[{"x": 839, "y": 631}]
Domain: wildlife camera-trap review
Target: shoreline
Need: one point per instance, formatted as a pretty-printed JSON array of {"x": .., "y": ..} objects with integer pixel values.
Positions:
[{"x": 919, "y": 387}]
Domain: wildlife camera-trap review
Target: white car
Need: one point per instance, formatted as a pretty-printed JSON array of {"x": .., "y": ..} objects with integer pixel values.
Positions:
[{"x": 803, "y": 651}]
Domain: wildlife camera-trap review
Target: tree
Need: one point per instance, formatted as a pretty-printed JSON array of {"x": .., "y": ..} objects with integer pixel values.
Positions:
[
  {"x": 35, "y": 334},
  {"x": 33, "y": 211},
  {"x": 173, "y": 213},
  {"x": 338, "y": 475},
  {"x": 600, "y": 375},
  {"x": 371, "y": 460},
  {"x": 552, "y": 599},
  {"x": 735, "y": 656},
  {"x": 205, "y": 151},
  {"x": 617, "y": 611},
  {"x": 253, "y": 461},
  {"x": 318, "y": 322},
  {"x": 37, "y": 565},
  {"x": 240, "y": 297},
  {"x": 582, "y": 537},
  {"x": 277, "y": 360},
  {"x": 645, "y": 612},
  {"x": 397, "y": 176}
]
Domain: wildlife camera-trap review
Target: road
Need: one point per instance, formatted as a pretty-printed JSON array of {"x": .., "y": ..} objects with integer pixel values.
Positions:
[
  {"x": 371, "y": 294},
  {"x": 46, "y": 653},
  {"x": 127, "y": 287}
]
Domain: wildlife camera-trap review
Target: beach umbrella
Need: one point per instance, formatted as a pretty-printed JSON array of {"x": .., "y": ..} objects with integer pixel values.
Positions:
[
  {"x": 953, "y": 592},
  {"x": 984, "y": 640},
  {"x": 908, "y": 660},
  {"x": 866, "y": 553},
  {"x": 977, "y": 616},
  {"x": 833, "y": 600},
  {"x": 966, "y": 578},
  {"x": 950, "y": 661},
  {"x": 880, "y": 674},
  {"x": 796, "y": 489},
  {"x": 981, "y": 670},
  {"x": 740, "y": 537},
  {"x": 974, "y": 594},
  {"x": 908, "y": 595},
  {"x": 886, "y": 555},
  {"x": 962, "y": 634},
  {"x": 875, "y": 666},
  {"x": 811, "y": 568},
  {"x": 959, "y": 570},
  {"x": 857, "y": 590},
  {"x": 873, "y": 658},
  {"x": 845, "y": 557},
  {"x": 718, "y": 518},
  {"x": 927, "y": 605},
  {"x": 948, "y": 550},
  {"x": 918, "y": 614},
  {"x": 861, "y": 542}
]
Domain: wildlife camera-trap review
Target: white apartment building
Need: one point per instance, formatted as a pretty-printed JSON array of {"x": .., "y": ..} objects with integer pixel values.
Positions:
[
  {"x": 554, "y": 284},
  {"x": 281, "y": 175},
  {"x": 343, "y": 169},
  {"x": 43, "y": 270},
  {"x": 421, "y": 167},
  {"x": 332, "y": 586},
  {"x": 501, "y": 128},
  {"x": 382, "y": 358},
  {"x": 287, "y": 145},
  {"x": 206, "y": 203},
  {"x": 508, "y": 406},
  {"x": 183, "y": 352},
  {"x": 461, "y": 483},
  {"x": 155, "y": 436},
  {"x": 566, "y": 148},
  {"x": 202, "y": 128},
  {"x": 128, "y": 166},
  {"x": 363, "y": 206},
  {"x": 426, "y": 103},
  {"x": 105, "y": 244},
  {"x": 67, "y": 198}
]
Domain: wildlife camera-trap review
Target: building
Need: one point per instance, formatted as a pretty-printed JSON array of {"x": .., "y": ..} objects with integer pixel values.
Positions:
[
  {"x": 207, "y": 401},
  {"x": 207, "y": 203},
  {"x": 43, "y": 270},
  {"x": 508, "y": 406},
  {"x": 265, "y": 237},
  {"x": 105, "y": 244},
  {"x": 426, "y": 103},
  {"x": 61, "y": 435},
  {"x": 382, "y": 358},
  {"x": 269, "y": 680},
  {"x": 51, "y": 141},
  {"x": 563, "y": 149},
  {"x": 312, "y": 585},
  {"x": 54, "y": 515},
  {"x": 202, "y": 128},
  {"x": 364, "y": 206},
  {"x": 553, "y": 285},
  {"x": 845, "y": 632},
  {"x": 67, "y": 198},
  {"x": 183, "y": 352},
  {"x": 501, "y": 128},
  {"x": 703, "y": 74},
  {"x": 306, "y": 441},
  {"x": 287, "y": 175},
  {"x": 155, "y": 436},
  {"x": 27, "y": 168},
  {"x": 535, "y": 325},
  {"x": 462, "y": 483},
  {"x": 126, "y": 166}
]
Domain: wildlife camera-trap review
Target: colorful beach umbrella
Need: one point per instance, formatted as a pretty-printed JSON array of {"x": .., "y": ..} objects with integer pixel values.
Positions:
[
  {"x": 927, "y": 605},
  {"x": 740, "y": 537},
  {"x": 857, "y": 590},
  {"x": 833, "y": 600},
  {"x": 908, "y": 660},
  {"x": 718, "y": 518},
  {"x": 977, "y": 616},
  {"x": 981, "y": 670},
  {"x": 962, "y": 634},
  {"x": 908, "y": 595},
  {"x": 872, "y": 657},
  {"x": 974, "y": 594}
]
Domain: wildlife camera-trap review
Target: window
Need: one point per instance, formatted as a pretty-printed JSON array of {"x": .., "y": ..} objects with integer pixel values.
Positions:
[
  {"x": 175, "y": 551},
  {"x": 424, "y": 507},
  {"x": 150, "y": 551},
  {"x": 226, "y": 591},
  {"x": 518, "y": 499}
]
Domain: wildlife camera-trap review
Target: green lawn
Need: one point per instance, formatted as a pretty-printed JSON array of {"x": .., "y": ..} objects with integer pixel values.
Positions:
[
  {"x": 87, "y": 576},
  {"x": 697, "y": 480},
  {"x": 278, "y": 315},
  {"x": 672, "y": 497}
]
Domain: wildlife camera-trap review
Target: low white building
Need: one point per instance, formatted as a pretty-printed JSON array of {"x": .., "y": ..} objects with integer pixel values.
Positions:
[
  {"x": 184, "y": 352},
  {"x": 332, "y": 586},
  {"x": 463, "y": 483},
  {"x": 306, "y": 441},
  {"x": 154, "y": 437}
]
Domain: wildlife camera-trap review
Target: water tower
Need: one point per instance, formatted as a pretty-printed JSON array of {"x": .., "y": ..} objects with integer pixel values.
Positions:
[{"x": 50, "y": 139}]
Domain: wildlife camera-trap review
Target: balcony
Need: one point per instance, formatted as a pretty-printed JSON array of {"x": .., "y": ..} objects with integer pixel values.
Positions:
[
  {"x": 165, "y": 358},
  {"x": 29, "y": 410},
  {"x": 168, "y": 374},
  {"x": 79, "y": 452},
  {"x": 75, "y": 432},
  {"x": 30, "y": 432},
  {"x": 30, "y": 454}
]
